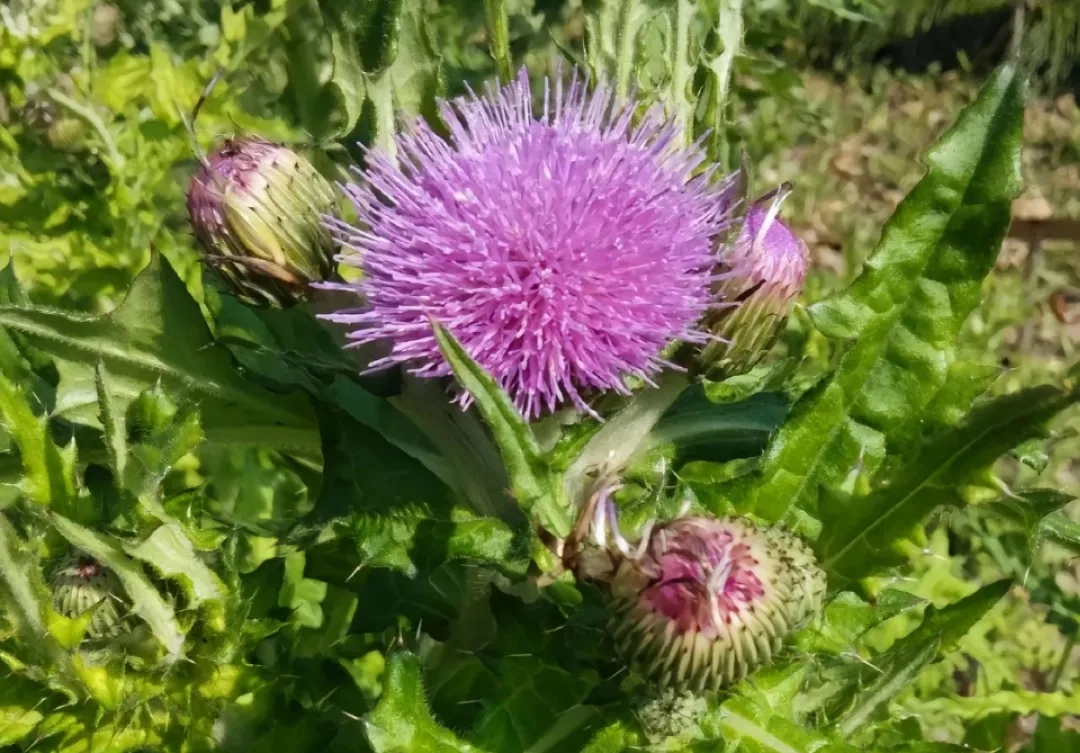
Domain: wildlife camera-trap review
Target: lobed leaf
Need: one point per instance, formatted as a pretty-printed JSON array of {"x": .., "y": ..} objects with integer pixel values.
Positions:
[
  {"x": 900, "y": 318},
  {"x": 402, "y": 721},
  {"x": 857, "y": 532},
  {"x": 887, "y": 674},
  {"x": 158, "y": 335}
]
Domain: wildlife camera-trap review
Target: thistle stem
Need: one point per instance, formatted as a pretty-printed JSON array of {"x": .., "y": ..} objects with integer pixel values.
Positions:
[
  {"x": 498, "y": 26},
  {"x": 621, "y": 437}
]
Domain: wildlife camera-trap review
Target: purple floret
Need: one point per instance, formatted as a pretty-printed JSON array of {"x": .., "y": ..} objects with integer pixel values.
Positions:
[{"x": 565, "y": 252}]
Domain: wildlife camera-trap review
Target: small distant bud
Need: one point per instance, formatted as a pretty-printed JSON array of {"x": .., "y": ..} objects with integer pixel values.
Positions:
[
  {"x": 38, "y": 114},
  {"x": 66, "y": 134},
  {"x": 81, "y": 583},
  {"x": 766, "y": 268},
  {"x": 257, "y": 209},
  {"x": 103, "y": 24}
]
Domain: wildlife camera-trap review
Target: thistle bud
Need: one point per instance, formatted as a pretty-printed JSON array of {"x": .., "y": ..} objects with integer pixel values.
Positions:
[
  {"x": 66, "y": 134},
  {"x": 700, "y": 602},
  {"x": 257, "y": 210},
  {"x": 81, "y": 583},
  {"x": 763, "y": 273}
]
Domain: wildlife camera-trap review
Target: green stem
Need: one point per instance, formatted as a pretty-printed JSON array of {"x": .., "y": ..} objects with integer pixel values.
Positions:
[
  {"x": 682, "y": 67},
  {"x": 1059, "y": 671},
  {"x": 498, "y": 26},
  {"x": 729, "y": 30},
  {"x": 622, "y": 436},
  {"x": 630, "y": 15}
]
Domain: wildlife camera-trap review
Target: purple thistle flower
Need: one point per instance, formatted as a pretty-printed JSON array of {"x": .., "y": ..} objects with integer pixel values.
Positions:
[{"x": 565, "y": 252}]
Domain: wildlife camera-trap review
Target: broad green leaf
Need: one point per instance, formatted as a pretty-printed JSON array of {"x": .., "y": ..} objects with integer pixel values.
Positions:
[
  {"x": 289, "y": 348},
  {"x": 401, "y": 516},
  {"x": 50, "y": 471},
  {"x": 171, "y": 554},
  {"x": 402, "y": 722},
  {"x": 158, "y": 335},
  {"x": 532, "y": 481},
  {"x": 534, "y": 702},
  {"x": 900, "y": 318},
  {"x": 1061, "y": 530},
  {"x": 857, "y": 533},
  {"x": 749, "y": 727},
  {"x": 22, "y": 708},
  {"x": 147, "y": 603}
]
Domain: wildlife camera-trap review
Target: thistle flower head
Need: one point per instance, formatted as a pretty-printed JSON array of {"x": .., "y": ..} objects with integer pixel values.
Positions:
[
  {"x": 257, "y": 210},
  {"x": 564, "y": 250},
  {"x": 768, "y": 266},
  {"x": 79, "y": 584},
  {"x": 700, "y": 602}
]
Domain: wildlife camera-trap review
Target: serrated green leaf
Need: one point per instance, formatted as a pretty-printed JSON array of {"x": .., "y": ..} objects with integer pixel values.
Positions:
[
  {"x": 755, "y": 729},
  {"x": 901, "y": 316},
  {"x": 873, "y": 683},
  {"x": 402, "y": 722},
  {"x": 857, "y": 533},
  {"x": 1060, "y": 530},
  {"x": 146, "y": 602},
  {"x": 904, "y": 667},
  {"x": 532, "y": 481},
  {"x": 171, "y": 554},
  {"x": 50, "y": 471},
  {"x": 535, "y": 702},
  {"x": 22, "y": 600},
  {"x": 158, "y": 334}
]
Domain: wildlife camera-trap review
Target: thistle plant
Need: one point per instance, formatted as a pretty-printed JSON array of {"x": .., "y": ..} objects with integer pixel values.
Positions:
[
  {"x": 561, "y": 523},
  {"x": 257, "y": 209}
]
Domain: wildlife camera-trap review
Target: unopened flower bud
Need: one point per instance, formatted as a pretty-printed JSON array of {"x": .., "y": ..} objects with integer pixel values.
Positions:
[
  {"x": 80, "y": 584},
  {"x": 66, "y": 134},
  {"x": 257, "y": 209},
  {"x": 701, "y": 602},
  {"x": 766, "y": 266}
]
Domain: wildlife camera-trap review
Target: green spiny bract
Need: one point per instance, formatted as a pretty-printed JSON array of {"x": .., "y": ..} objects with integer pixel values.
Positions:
[{"x": 258, "y": 210}]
